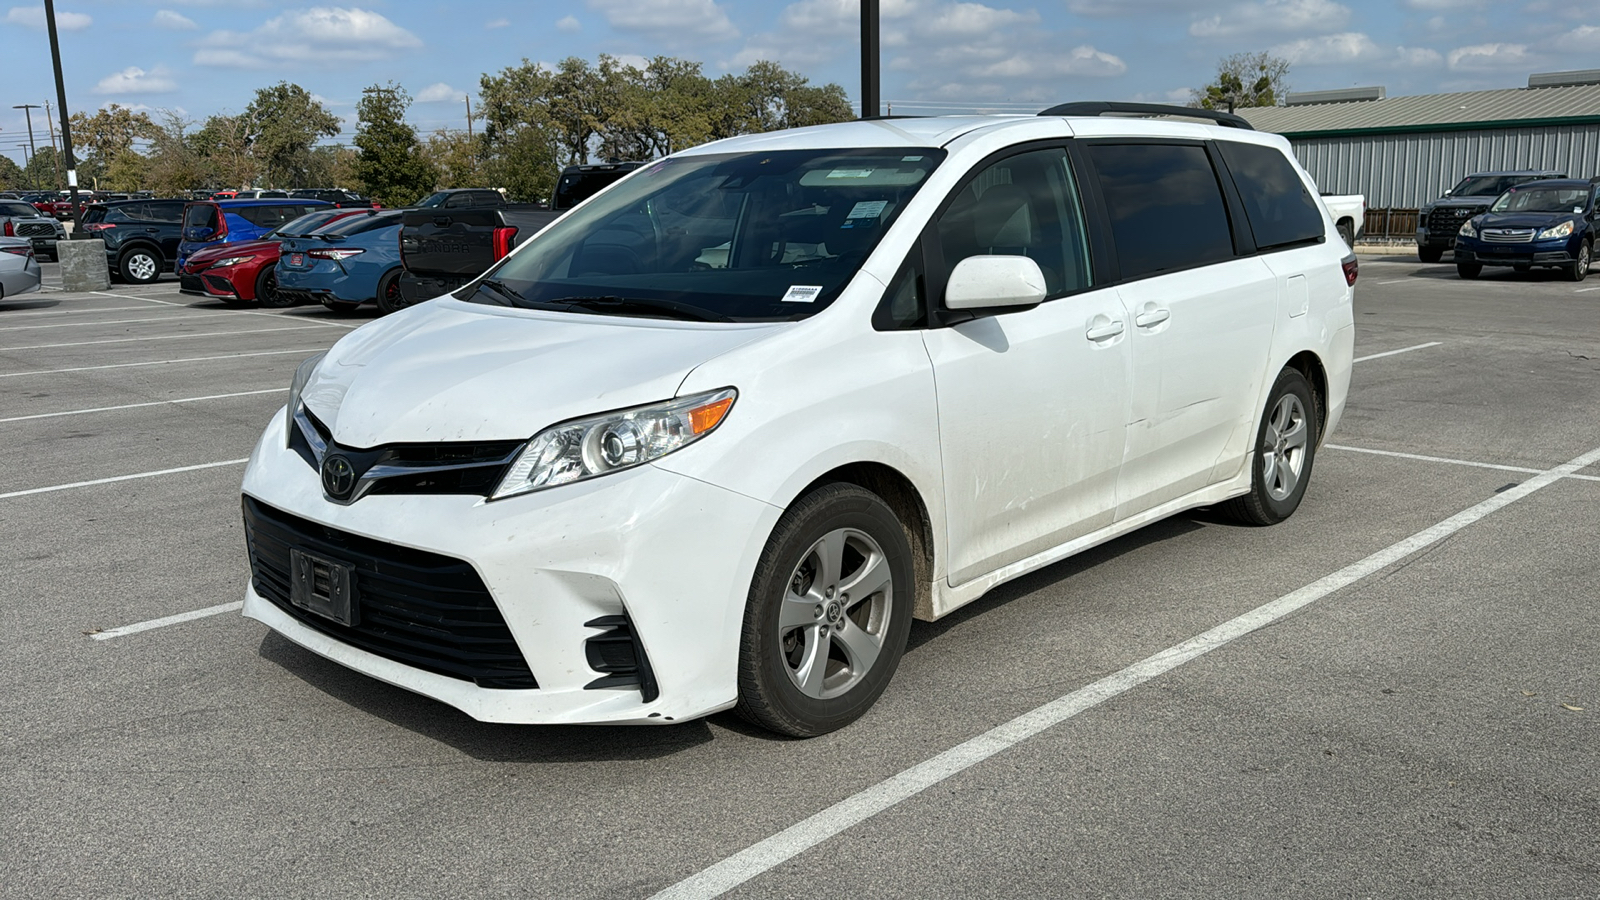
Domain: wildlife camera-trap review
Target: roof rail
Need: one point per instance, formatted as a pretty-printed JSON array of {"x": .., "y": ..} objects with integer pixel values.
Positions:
[{"x": 1102, "y": 107}]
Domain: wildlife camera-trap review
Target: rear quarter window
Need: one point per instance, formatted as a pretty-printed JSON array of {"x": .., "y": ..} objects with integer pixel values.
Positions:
[
  {"x": 1277, "y": 205},
  {"x": 1165, "y": 205},
  {"x": 202, "y": 215},
  {"x": 271, "y": 216}
]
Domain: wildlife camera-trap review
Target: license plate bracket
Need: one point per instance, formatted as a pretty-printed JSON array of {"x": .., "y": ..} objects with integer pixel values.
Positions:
[
  {"x": 323, "y": 586},
  {"x": 295, "y": 259}
]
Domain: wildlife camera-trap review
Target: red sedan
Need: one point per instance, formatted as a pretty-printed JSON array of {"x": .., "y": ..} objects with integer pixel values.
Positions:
[{"x": 245, "y": 273}]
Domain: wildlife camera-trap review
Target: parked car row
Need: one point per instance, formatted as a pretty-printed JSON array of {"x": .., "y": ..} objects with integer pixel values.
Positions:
[
  {"x": 19, "y": 268},
  {"x": 20, "y": 219},
  {"x": 1521, "y": 219}
]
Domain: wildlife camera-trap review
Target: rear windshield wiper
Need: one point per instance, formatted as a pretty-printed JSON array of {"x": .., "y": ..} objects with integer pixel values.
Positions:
[{"x": 670, "y": 308}]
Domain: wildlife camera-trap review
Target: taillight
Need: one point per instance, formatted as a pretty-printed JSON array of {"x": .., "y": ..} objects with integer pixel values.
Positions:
[
  {"x": 1351, "y": 269},
  {"x": 504, "y": 235},
  {"x": 11, "y": 230},
  {"x": 99, "y": 226},
  {"x": 341, "y": 253},
  {"x": 18, "y": 251}
]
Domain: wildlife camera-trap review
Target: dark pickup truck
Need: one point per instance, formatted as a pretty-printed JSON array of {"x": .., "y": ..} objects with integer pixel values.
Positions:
[{"x": 454, "y": 236}]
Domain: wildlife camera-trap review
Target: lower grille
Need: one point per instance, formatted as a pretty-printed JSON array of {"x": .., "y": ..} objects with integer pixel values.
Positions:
[
  {"x": 417, "y": 608},
  {"x": 36, "y": 230},
  {"x": 218, "y": 283},
  {"x": 191, "y": 283}
]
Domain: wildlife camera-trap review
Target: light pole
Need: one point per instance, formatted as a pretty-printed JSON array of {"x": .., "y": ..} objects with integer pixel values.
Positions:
[
  {"x": 27, "y": 110},
  {"x": 61, "y": 100},
  {"x": 869, "y": 59}
]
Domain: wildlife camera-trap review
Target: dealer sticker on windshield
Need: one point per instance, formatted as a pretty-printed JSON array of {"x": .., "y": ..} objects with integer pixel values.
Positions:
[{"x": 802, "y": 293}]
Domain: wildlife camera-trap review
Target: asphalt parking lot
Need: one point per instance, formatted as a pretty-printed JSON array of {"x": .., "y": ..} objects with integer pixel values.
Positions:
[{"x": 1393, "y": 694}]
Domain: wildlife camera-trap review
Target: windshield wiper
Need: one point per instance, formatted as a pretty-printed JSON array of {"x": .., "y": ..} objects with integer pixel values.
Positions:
[
  {"x": 671, "y": 308},
  {"x": 506, "y": 294}
]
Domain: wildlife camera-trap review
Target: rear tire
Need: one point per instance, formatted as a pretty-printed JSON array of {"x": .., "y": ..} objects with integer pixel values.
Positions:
[
  {"x": 1578, "y": 269},
  {"x": 828, "y": 613},
  {"x": 1286, "y": 446},
  {"x": 139, "y": 266},
  {"x": 1348, "y": 233},
  {"x": 1469, "y": 271},
  {"x": 1430, "y": 254},
  {"x": 267, "y": 293},
  {"x": 389, "y": 298}
]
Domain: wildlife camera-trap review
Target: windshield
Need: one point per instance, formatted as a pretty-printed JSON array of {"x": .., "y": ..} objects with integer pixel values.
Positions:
[
  {"x": 361, "y": 223},
  {"x": 434, "y": 200},
  {"x": 1543, "y": 199},
  {"x": 747, "y": 237},
  {"x": 302, "y": 226},
  {"x": 1489, "y": 185}
]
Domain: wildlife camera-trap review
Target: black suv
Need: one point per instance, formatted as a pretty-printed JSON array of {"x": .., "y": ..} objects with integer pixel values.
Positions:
[
  {"x": 1438, "y": 222},
  {"x": 337, "y": 196},
  {"x": 141, "y": 235}
]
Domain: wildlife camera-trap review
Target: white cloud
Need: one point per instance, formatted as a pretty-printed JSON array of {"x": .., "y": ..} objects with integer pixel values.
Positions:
[
  {"x": 569, "y": 24},
  {"x": 166, "y": 18},
  {"x": 1435, "y": 5},
  {"x": 669, "y": 20},
  {"x": 1418, "y": 57},
  {"x": 1329, "y": 50},
  {"x": 1490, "y": 57},
  {"x": 1274, "y": 16},
  {"x": 1583, "y": 39},
  {"x": 1083, "y": 61},
  {"x": 33, "y": 17},
  {"x": 497, "y": 23},
  {"x": 437, "y": 93},
  {"x": 973, "y": 20},
  {"x": 1117, "y": 9},
  {"x": 319, "y": 35},
  {"x": 134, "y": 80}
]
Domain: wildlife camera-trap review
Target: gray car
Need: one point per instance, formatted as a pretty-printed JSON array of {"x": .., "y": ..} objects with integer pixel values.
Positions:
[
  {"x": 19, "y": 269},
  {"x": 21, "y": 220}
]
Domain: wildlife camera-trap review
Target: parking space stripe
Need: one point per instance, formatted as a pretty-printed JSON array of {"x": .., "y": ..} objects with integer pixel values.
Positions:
[
  {"x": 168, "y": 620},
  {"x": 1586, "y": 290},
  {"x": 1396, "y": 352},
  {"x": 81, "y": 412},
  {"x": 76, "y": 312},
  {"x": 137, "y": 297},
  {"x": 156, "y": 337},
  {"x": 116, "y": 478},
  {"x": 785, "y": 845},
  {"x": 1448, "y": 461},
  {"x": 112, "y": 322},
  {"x": 162, "y": 362}
]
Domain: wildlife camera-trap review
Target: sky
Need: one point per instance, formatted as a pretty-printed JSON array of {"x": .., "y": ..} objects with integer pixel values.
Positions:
[{"x": 200, "y": 57}]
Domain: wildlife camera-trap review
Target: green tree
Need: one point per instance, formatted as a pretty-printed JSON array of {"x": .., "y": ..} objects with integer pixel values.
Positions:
[
  {"x": 104, "y": 145},
  {"x": 11, "y": 177},
  {"x": 223, "y": 145},
  {"x": 390, "y": 163},
  {"x": 41, "y": 171},
  {"x": 175, "y": 167},
  {"x": 456, "y": 155},
  {"x": 281, "y": 125},
  {"x": 1244, "y": 80},
  {"x": 334, "y": 165}
]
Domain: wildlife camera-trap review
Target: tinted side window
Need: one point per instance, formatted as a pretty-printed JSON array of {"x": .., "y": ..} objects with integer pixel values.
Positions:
[
  {"x": 1024, "y": 205},
  {"x": 201, "y": 215},
  {"x": 1165, "y": 206},
  {"x": 1276, "y": 203},
  {"x": 167, "y": 211}
]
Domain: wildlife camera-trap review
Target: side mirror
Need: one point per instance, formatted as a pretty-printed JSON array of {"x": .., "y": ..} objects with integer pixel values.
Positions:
[
  {"x": 995, "y": 282},
  {"x": 1448, "y": 193}
]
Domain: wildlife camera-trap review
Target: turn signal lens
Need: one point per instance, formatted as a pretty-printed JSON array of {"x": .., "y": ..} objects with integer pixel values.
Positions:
[{"x": 588, "y": 448}]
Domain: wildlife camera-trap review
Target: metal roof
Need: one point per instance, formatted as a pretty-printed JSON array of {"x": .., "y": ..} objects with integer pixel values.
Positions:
[{"x": 1509, "y": 108}]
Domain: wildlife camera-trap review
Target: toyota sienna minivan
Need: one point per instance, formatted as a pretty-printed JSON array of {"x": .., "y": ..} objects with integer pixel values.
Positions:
[{"x": 716, "y": 437}]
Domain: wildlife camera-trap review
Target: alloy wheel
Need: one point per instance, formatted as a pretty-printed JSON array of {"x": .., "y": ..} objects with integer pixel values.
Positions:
[
  {"x": 835, "y": 613},
  {"x": 1283, "y": 447}
]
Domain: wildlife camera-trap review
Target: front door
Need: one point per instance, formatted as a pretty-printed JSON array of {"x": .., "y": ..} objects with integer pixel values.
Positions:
[{"x": 1032, "y": 404}]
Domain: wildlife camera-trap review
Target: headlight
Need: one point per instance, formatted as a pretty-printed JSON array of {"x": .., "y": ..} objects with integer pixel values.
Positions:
[
  {"x": 231, "y": 261},
  {"x": 1467, "y": 230},
  {"x": 587, "y": 448},
  {"x": 302, "y": 375},
  {"x": 1559, "y": 231}
]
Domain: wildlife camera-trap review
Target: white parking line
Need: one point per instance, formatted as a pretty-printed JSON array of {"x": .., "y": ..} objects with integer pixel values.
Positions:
[
  {"x": 774, "y": 851},
  {"x": 162, "y": 362},
  {"x": 1586, "y": 290},
  {"x": 116, "y": 478},
  {"x": 112, "y": 322},
  {"x": 80, "y": 412},
  {"x": 157, "y": 337},
  {"x": 164, "y": 621},
  {"x": 1396, "y": 352},
  {"x": 1454, "y": 462},
  {"x": 76, "y": 312},
  {"x": 137, "y": 297},
  {"x": 1396, "y": 281}
]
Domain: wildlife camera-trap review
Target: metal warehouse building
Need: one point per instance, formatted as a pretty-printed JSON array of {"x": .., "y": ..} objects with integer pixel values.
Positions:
[{"x": 1402, "y": 152}]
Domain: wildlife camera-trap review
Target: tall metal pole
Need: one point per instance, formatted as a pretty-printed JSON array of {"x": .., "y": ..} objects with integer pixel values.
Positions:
[
  {"x": 55, "y": 156},
  {"x": 27, "y": 110},
  {"x": 61, "y": 100},
  {"x": 869, "y": 59}
]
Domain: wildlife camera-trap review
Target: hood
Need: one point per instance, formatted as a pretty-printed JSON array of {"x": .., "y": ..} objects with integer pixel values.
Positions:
[
  {"x": 453, "y": 371},
  {"x": 213, "y": 252},
  {"x": 1463, "y": 200},
  {"x": 1539, "y": 220}
]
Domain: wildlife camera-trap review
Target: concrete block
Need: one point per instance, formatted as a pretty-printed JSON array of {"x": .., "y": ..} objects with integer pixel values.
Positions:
[{"x": 83, "y": 265}]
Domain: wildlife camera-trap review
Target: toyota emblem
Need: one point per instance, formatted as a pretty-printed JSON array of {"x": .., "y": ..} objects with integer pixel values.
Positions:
[{"x": 338, "y": 477}]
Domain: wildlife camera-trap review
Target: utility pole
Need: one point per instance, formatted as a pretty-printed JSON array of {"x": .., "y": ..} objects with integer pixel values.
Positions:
[
  {"x": 468, "y": 98},
  {"x": 869, "y": 59},
  {"x": 66, "y": 125},
  {"x": 27, "y": 110},
  {"x": 55, "y": 155}
]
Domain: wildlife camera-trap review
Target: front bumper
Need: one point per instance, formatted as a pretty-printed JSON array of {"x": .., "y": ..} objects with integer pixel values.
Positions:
[
  {"x": 1534, "y": 253},
  {"x": 673, "y": 554},
  {"x": 326, "y": 280}
]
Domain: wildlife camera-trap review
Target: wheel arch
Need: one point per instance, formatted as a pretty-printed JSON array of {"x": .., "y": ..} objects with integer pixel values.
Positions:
[
  {"x": 906, "y": 501},
  {"x": 1307, "y": 363}
]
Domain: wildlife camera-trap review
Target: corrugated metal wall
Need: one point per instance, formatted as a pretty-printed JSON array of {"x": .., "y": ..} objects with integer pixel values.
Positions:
[{"x": 1408, "y": 170}]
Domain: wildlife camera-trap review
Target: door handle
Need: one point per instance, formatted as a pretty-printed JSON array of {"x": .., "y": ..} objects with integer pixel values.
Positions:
[
  {"x": 1106, "y": 331},
  {"x": 1152, "y": 318}
]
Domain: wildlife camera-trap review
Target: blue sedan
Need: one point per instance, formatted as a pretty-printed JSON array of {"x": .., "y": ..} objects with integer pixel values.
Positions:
[
  {"x": 1548, "y": 223},
  {"x": 345, "y": 264}
]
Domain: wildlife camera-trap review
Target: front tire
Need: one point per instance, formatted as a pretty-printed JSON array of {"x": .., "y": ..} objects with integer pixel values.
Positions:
[
  {"x": 267, "y": 293},
  {"x": 1578, "y": 270},
  {"x": 1430, "y": 254},
  {"x": 139, "y": 266},
  {"x": 1469, "y": 271},
  {"x": 1286, "y": 446},
  {"x": 828, "y": 613}
]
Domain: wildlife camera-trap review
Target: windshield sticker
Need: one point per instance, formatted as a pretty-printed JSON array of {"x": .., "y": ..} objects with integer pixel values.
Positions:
[
  {"x": 850, "y": 173},
  {"x": 911, "y": 159},
  {"x": 802, "y": 293},
  {"x": 867, "y": 209}
]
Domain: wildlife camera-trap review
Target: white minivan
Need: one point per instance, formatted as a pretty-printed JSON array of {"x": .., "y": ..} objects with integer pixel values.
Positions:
[{"x": 713, "y": 439}]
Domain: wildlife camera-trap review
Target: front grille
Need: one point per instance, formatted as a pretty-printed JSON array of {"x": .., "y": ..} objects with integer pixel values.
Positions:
[
  {"x": 191, "y": 284},
  {"x": 1445, "y": 221},
  {"x": 1507, "y": 235},
  {"x": 218, "y": 283},
  {"x": 466, "y": 467},
  {"x": 418, "y": 608},
  {"x": 37, "y": 229}
]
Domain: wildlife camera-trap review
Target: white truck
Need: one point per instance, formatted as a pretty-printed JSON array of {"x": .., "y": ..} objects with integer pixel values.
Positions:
[{"x": 1349, "y": 213}]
